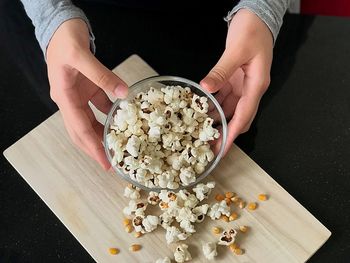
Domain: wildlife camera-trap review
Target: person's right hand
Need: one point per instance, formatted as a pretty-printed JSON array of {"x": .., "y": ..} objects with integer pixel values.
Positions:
[{"x": 77, "y": 77}]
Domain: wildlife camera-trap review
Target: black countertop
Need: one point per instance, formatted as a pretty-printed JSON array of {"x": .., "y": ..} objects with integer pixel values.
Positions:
[{"x": 301, "y": 135}]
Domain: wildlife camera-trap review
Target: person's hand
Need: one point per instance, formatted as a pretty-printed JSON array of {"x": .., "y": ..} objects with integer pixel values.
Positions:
[
  {"x": 242, "y": 74},
  {"x": 77, "y": 77}
]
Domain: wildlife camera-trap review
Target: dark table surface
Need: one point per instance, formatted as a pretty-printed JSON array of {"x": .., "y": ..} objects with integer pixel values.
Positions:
[{"x": 301, "y": 135}]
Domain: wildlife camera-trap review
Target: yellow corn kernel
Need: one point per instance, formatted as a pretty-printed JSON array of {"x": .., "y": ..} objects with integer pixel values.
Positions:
[
  {"x": 233, "y": 216},
  {"x": 138, "y": 234},
  {"x": 229, "y": 194},
  {"x": 128, "y": 228},
  {"x": 262, "y": 197},
  {"x": 252, "y": 206},
  {"x": 238, "y": 251},
  {"x": 243, "y": 229},
  {"x": 126, "y": 221},
  {"x": 233, "y": 247},
  {"x": 228, "y": 201},
  {"x": 217, "y": 230},
  {"x": 225, "y": 218},
  {"x": 241, "y": 204},
  {"x": 114, "y": 251},
  {"x": 135, "y": 247},
  {"x": 219, "y": 197}
]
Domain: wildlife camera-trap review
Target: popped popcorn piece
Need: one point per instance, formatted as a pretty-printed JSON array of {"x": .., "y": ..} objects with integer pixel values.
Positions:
[
  {"x": 199, "y": 104},
  {"x": 173, "y": 234},
  {"x": 209, "y": 250},
  {"x": 153, "y": 198},
  {"x": 182, "y": 254},
  {"x": 185, "y": 213},
  {"x": 207, "y": 132},
  {"x": 132, "y": 192},
  {"x": 187, "y": 226},
  {"x": 163, "y": 260},
  {"x": 133, "y": 146},
  {"x": 165, "y": 219},
  {"x": 150, "y": 223},
  {"x": 203, "y": 190},
  {"x": 218, "y": 209},
  {"x": 175, "y": 160},
  {"x": 145, "y": 224},
  {"x": 135, "y": 207},
  {"x": 200, "y": 212},
  {"x": 203, "y": 154},
  {"x": 228, "y": 237},
  {"x": 187, "y": 175},
  {"x": 154, "y": 96},
  {"x": 166, "y": 179},
  {"x": 189, "y": 200}
]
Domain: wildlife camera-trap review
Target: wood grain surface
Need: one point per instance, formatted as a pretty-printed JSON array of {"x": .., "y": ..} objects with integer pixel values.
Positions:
[{"x": 89, "y": 201}]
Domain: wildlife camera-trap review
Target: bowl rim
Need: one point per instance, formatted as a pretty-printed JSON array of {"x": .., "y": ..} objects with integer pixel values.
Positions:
[{"x": 213, "y": 164}]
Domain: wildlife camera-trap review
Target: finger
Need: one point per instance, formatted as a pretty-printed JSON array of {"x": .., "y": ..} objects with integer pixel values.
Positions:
[
  {"x": 86, "y": 136},
  {"x": 244, "y": 114},
  {"x": 223, "y": 93},
  {"x": 228, "y": 107},
  {"x": 229, "y": 62},
  {"x": 101, "y": 101},
  {"x": 93, "y": 69}
]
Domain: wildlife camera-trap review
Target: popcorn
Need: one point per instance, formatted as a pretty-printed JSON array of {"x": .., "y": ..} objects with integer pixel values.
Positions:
[
  {"x": 133, "y": 146},
  {"x": 163, "y": 260},
  {"x": 209, "y": 250},
  {"x": 203, "y": 154},
  {"x": 218, "y": 209},
  {"x": 166, "y": 179},
  {"x": 181, "y": 253},
  {"x": 187, "y": 226},
  {"x": 161, "y": 138},
  {"x": 150, "y": 223},
  {"x": 135, "y": 207},
  {"x": 153, "y": 198},
  {"x": 200, "y": 212},
  {"x": 185, "y": 213},
  {"x": 132, "y": 192},
  {"x": 199, "y": 104},
  {"x": 145, "y": 224},
  {"x": 208, "y": 133},
  {"x": 189, "y": 200},
  {"x": 228, "y": 237},
  {"x": 203, "y": 190},
  {"x": 173, "y": 234},
  {"x": 187, "y": 175},
  {"x": 165, "y": 219}
]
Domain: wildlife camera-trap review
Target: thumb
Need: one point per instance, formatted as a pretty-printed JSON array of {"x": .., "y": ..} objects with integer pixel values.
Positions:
[
  {"x": 101, "y": 76},
  {"x": 222, "y": 71}
]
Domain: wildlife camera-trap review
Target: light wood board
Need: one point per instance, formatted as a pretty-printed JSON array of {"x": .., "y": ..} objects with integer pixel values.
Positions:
[{"x": 89, "y": 201}]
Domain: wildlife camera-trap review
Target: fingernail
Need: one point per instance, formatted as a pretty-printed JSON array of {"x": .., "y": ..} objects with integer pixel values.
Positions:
[{"x": 121, "y": 91}]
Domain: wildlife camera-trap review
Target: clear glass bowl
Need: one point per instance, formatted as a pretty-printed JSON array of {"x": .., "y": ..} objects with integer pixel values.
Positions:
[{"x": 159, "y": 82}]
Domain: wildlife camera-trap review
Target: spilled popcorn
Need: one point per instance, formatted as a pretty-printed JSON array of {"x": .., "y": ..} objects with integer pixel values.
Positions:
[
  {"x": 161, "y": 139},
  {"x": 179, "y": 213}
]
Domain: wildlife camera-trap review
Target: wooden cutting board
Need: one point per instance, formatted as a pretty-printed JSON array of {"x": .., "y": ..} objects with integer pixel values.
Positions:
[{"x": 89, "y": 201}]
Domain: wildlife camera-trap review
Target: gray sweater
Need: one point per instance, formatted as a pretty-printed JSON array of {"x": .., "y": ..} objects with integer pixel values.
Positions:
[{"x": 48, "y": 15}]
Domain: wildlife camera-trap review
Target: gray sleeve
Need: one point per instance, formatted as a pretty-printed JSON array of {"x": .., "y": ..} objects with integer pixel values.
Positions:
[
  {"x": 48, "y": 15},
  {"x": 270, "y": 11}
]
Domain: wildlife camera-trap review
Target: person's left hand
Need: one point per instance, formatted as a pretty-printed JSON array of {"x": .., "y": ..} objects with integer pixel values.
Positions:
[{"x": 242, "y": 74}]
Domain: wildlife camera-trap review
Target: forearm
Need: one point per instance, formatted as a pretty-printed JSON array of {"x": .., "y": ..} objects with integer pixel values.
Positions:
[
  {"x": 270, "y": 11},
  {"x": 48, "y": 15}
]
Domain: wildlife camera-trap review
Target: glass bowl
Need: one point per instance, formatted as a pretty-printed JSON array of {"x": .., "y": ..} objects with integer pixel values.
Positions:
[{"x": 158, "y": 82}]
